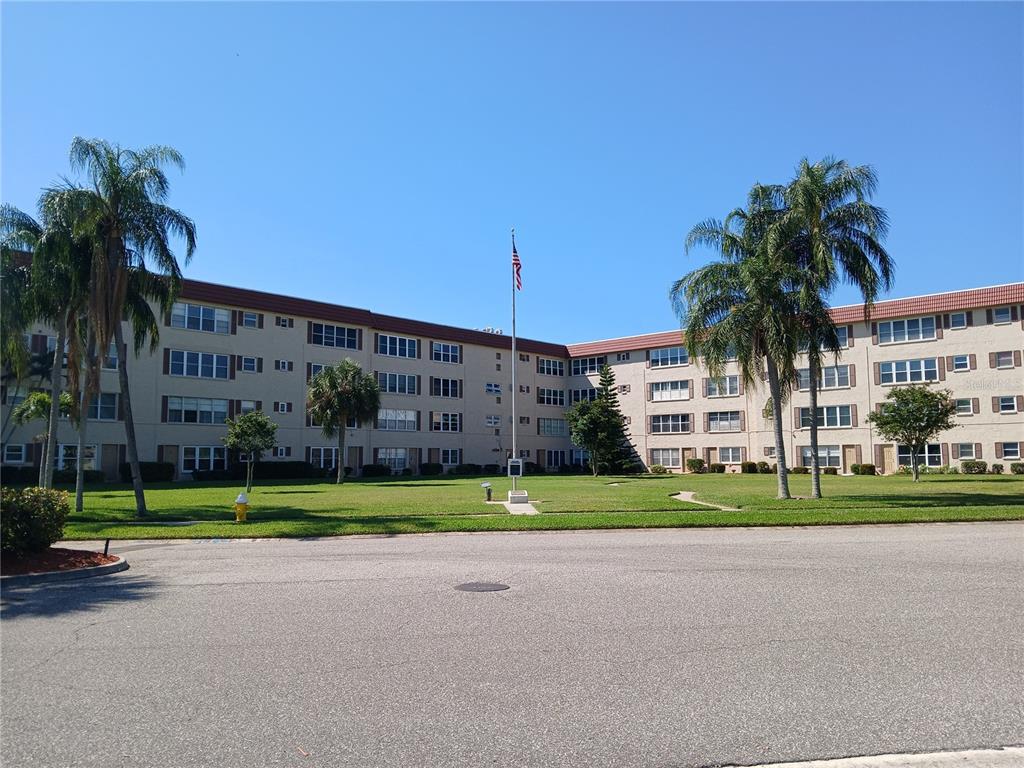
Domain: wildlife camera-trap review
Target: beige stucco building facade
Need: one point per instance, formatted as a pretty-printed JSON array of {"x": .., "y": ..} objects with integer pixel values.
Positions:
[{"x": 446, "y": 392}]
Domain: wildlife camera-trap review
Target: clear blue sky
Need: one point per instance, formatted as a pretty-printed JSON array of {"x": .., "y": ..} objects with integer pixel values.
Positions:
[{"x": 376, "y": 155}]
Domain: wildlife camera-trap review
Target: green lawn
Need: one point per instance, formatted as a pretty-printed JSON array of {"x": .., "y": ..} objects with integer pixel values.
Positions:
[{"x": 409, "y": 505}]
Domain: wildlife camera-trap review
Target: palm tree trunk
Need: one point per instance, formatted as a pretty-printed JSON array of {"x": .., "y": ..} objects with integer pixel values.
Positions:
[
  {"x": 55, "y": 390},
  {"x": 132, "y": 448},
  {"x": 775, "y": 389},
  {"x": 814, "y": 373},
  {"x": 83, "y": 416},
  {"x": 341, "y": 453}
]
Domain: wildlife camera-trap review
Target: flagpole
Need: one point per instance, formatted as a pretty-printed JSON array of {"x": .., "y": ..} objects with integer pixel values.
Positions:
[{"x": 515, "y": 359}]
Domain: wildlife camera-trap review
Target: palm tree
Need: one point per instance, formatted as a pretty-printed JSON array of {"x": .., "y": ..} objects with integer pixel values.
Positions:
[
  {"x": 831, "y": 233},
  {"x": 339, "y": 393},
  {"x": 125, "y": 213},
  {"x": 746, "y": 304}
]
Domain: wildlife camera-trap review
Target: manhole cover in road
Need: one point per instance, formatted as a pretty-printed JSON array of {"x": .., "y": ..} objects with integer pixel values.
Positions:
[{"x": 481, "y": 586}]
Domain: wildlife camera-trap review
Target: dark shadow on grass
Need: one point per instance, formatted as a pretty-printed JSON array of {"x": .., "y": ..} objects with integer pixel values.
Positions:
[
  {"x": 79, "y": 596},
  {"x": 210, "y": 513},
  {"x": 939, "y": 500}
]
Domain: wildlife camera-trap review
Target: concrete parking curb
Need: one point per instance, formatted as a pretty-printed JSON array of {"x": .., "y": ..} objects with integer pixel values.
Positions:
[{"x": 24, "y": 579}]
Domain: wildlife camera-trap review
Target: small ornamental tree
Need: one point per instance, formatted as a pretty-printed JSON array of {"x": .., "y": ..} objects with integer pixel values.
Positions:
[
  {"x": 913, "y": 416},
  {"x": 251, "y": 433},
  {"x": 597, "y": 426},
  {"x": 339, "y": 393}
]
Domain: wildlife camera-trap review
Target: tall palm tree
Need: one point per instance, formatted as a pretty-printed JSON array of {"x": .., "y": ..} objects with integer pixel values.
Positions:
[
  {"x": 123, "y": 209},
  {"x": 339, "y": 393},
  {"x": 832, "y": 233}
]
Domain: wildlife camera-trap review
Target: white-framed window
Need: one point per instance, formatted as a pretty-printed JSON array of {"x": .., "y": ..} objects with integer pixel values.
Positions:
[
  {"x": 730, "y": 455},
  {"x": 724, "y": 386},
  {"x": 670, "y": 390},
  {"x": 492, "y": 388},
  {"x": 249, "y": 364},
  {"x": 492, "y": 421},
  {"x": 670, "y": 423},
  {"x": 203, "y": 457},
  {"x": 66, "y": 454},
  {"x": 246, "y": 406},
  {"x": 586, "y": 365},
  {"x": 446, "y": 422},
  {"x": 396, "y": 420},
  {"x": 110, "y": 359},
  {"x": 666, "y": 457},
  {"x": 931, "y": 456},
  {"x": 547, "y": 396},
  {"x": 445, "y": 387},
  {"x": 103, "y": 407},
  {"x": 828, "y": 456},
  {"x": 828, "y": 416},
  {"x": 524, "y": 388},
  {"x": 284, "y": 322},
  {"x": 1004, "y": 359},
  {"x": 550, "y": 367},
  {"x": 578, "y": 456},
  {"x": 282, "y": 451},
  {"x": 555, "y": 458},
  {"x": 622, "y": 357},
  {"x": 443, "y": 352},
  {"x": 1007, "y": 404},
  {"x": 669, "y": 356},
  {"x": 397, "y": 346},
  {"x": 196, "y": 317},
  {"x": 285, "y": 365},
  {"x": 904, "y": 371},
  {"x": 957, "y": 320},
  {"x": 1011, "y": 451},
  {"x": 397, "y": 383},
  {"x": 964, "y": 407},
  {"x": 14, "y": 453},
  {"x": 324, "y": 335},
  {"x": 830, "y": 377},
  {"x": 841, "y": 336},
  {"x": 315, "y": 368},
  {"x": 961, "y": 362},
  {"x": 283, "y": 407},
  {"x": 965, "y": 450},
  {"x": 196, "y": 410},
  {"x": 250, "y": 320},
  {"x": 203, "y": 365},
  {"x": 396, "y": 458},
  {"x": 912, "y": 329},
  {"x": 551, "y": 427},
  {"x": 1001, "y": 315},
  {"x": 724, "y": 421},
  {"x": 324, "y": 457},
  {"x": 769, "y": 452},
  {"x": 451, "y": 456},
  {"x": 524, "y": 419},
  {"x": 577, "y": 395},
  {"x": 624, "y": 389}
]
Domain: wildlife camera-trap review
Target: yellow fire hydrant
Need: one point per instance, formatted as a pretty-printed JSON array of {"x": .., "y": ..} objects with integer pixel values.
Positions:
[{"x": 241, "y": 507}]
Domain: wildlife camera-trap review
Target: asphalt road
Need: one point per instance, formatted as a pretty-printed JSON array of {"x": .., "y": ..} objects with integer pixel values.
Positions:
[{"x": 635, "y": 648}]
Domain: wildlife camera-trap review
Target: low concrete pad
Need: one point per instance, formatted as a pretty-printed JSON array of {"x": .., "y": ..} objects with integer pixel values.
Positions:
[
  {"x": 520, "y": 508},
  {"x": 1008, "y": 757}
]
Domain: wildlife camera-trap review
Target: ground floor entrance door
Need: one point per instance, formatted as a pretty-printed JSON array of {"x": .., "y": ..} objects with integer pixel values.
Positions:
[
  {"x": 687, "y": 453},
  {"x": 888, "y": 459},
  {"x": 849, "y": 458}
]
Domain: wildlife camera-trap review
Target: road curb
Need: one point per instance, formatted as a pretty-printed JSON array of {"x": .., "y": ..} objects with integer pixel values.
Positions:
[{"x": 46, "y": 577}]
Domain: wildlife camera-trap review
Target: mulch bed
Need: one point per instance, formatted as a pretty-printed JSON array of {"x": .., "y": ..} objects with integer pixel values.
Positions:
[{"x": 52, "y": 559}]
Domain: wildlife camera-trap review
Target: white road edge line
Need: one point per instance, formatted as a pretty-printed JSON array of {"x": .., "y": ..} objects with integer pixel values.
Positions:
[{"x": 1005, "y": 757}]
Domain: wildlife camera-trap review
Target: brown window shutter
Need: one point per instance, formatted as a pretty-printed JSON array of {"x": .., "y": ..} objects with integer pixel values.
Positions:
[
  {"x": 538, "y": 426},
  {"x": 874, "y": 333},
  {"x": 945, "y": 320},
  {"x": 430, "y": 421},
  {"x": 942, "y": 368},
  {"x": 419, "y": 384},
  {"x": 991, "y": 359},
  {"x": 999, "y": 450},
  {"x": 938, "y": 326},
  {"x": 849, "y": 336},
  {"x": 704, "y": 387},
  {"x": 259, "y": 365},
  {"x": 417, "y": 421},
  {"x": 970, "y": 318},
  {"x": 233, "y": 362},
  {"x": 419, "y": 349},
  {"x": 309, "y": 454},
  {"x": 741, "y": 385},
  {"x": 309, "y": 372},
  {"x": 650, "y": 392},
  {"x": 879, "y": 458},
  {"x": 977, "y": 450},
  {"x": 766, "y": 451},
  {"x": 460, "y": 388},
  {"x": 1020, "y": 403},
  {"x": 743, "y": 453},
  {"x": 853, "y": 375},
  {"x": 234, "y": 320},
  {"x": 276, "y": 404},
  {"x": 995, "y": 404},
  {"x": 975, "y": 405},
  {"x": 878, "y": 373},
  {"x": 460, "y": 353},
  {"x": 797, "y": 422},
  {"x": 259, "y": 324},
  {"x": 689, "y": 387},
  {"x": 231, "y": 408},
  {"x": 858, "y": 454},
  {"x": 431, "y": 380},
  {"x": 167, "y": 320},
  {"x": 309, "y": 331},
  {"x": 944, "y": 448},
  {"x": 853, "y": 415},
  {"x": 689, "y": 423},
  {"x": 163, "y": 409},
  {"x": 434, "y": 455},
  {"x": 743, "y": 421},
  {"x": 1013, "y": 313},
  {"x": 167, "y": 361},
  {"x": 707, "y": 422},
  {"x": 259, "y": 405},
  {"x": 949, "y": 362},
  {"x": 988, "y": 316},
  {"x": 973, "y": 361},
  {"x": 956, "y": 450},
  {"x": 1016, "y": 358}
]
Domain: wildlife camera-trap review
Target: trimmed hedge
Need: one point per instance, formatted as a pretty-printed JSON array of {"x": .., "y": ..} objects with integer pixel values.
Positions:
[
  {"x": 376, "y": 470},
  {"x": 466, "y": 469},
  {"x": 431, "y": 468},
  {"x": 151, "y": 471},
  {"x": 492, "y": 469},
  {"x": 973, "y": 467},
  {"x": 288, "y": 470},
  {"x": 829, "y": 471},
  {"x": 696, "y": 465},
  {"x": 716, "y": 468},
  {"x": 764, "y": 468},
  {"x": 68, "y": 477},
  {"x": 799, "y": 470},
  {"x": 997, "y": 469},
  {"x": 1017, "y": 468},
  {"x": 658, "y": 469},
  {"x": 19, "y": 475},
  {"x": 532, "y": 468},
  {"x": 748, "y": 467},
  {"x": 31, "y": 519}
]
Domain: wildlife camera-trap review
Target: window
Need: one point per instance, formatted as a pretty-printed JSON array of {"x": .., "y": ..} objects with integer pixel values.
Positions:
[
  {"x": 451, "y": 456},
  {"x": 395, "y": 458},
  {"x": 830, "y": 377},
  {"x": 284, "y": 408},
  {"x": 1007, "y": 404},
  {"x": 965, "y": 450},
  {"x": 961, "y": 363},
  {"x": 551, "y": 427},
  {"x": 315, "y": 368},
  {"x": 325, "y": 458},
  {"x": 246, "y": 406},
  {"x": 770, "y": 451},
  {"x": 828, "y": 416},
  {"x": 110, "y": 359},
  {"x": 730, "y": 455},
  {"x": 662, "y": 358},
  {"x": 828, "y": 456},
  {"x": 842, "y": 336},
  {"x": 623, "y": 389},
  {"x": 103, "y": 407},
  {"x": 724, "y": 386},
  {"x": 203, "y": 457},
  {"x": 578, "y": 456},
  {"x": 576, "y": 395},
  {"x": 447, "y": 422},
  {"x": 285, "y": 365},
  {"x": 196, "y": 317},
  {"x": 445, "y": 387},
  {"x": 958, "y": 320},
  {"x": 550, "y": 396},
  {"x": 915, "y": 329},
  {"x": 196, "y": 410},
  {"x": 14, "y": 453},
  {"x": 397, "y": 346},
  {"x": 523, "y": 357},
  {"x": 492, "y": 389},
  {"x": 524, "y": 419},
  {"x": 964, "y": 407},
  {"x": 492, "y": 421},
  {"x": 1004, "y": 359},
  {"x": 396, "y": 420},
  {"x": 670, "y": 423},
  {"x": 666, "y": 457},
  {"x": 724, "y": 421},
  {"x": 670, "y": 390},
  {"x": 550, "y": 367},
  {"x": 249, "y": 364},
  {"x": 398, "y": 383},
  {"x": 1011, "y": 450},
  {"x": 903, "y": 371},
  {"x": 587, "y": 365},
  {"x": 622, "y": 357},
  {"x": 282, "y": 451},
  {"x": 284, "y": 322},
  {"x": 445, "y": 353},
  {"x": 524, "y": 388},
  {"x": 930, "y": 457},
  {"x": 250, "y": 320},
  {"x": 555, "y": 458},
  {"x": 67, "y": 453},
  {"x": 1001, "y": 315},
  {"x": 334, "y": 336},
  {"x": 203, "y": 365}
]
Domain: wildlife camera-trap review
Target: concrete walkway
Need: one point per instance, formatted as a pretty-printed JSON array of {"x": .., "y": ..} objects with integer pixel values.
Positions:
[
  {"x": 1009, "y": 757},
  {"x": 688, "y": 496}
]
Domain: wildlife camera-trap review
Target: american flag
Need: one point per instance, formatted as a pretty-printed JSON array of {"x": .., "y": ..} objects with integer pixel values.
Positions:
[{"x": 517, "y": 267}]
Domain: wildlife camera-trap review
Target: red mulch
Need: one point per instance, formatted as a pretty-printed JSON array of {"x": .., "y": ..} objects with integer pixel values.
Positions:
[{"x": 52, "y": 559}]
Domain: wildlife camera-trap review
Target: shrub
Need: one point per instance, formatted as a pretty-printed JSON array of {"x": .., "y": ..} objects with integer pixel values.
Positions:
[
  {"x": 954, "y": 470},
  {"x": 376, "y": 470},
  {"x": 31, "y": 519},
  {"x": 19, "y": 475},
  {"x": 867, "y": 469},
  {"x": 466, "y": 469},
  {"x": 829, "y": 471},
  {"x": 972, "y": 467},
  {"x": 216, "y": 474},
  {"x": 67, "y": 476},
  {"x": 492, "y": 469},
  {"x": 997, "y": 469},
  {"x": 716, "y": 468},
  {"x": 431, "y": 468},
  {"x": 348, "y": 471},
  {"x": 406, "y": 471},
  {"x": 289, "y": 470},
  {"x": 764, "y": 468},
  {"x": 632, "y": 468},
  {"x": 532, "y": 468},
  {"x": 855, "y": 469},
  {"x": 799, "y": 470},
  {"x": 658, "y": 469},
  {"x": 1017, "y": 468},
  {"x": 748, "y": 467},
  {"x": 151, "y": 471},
  {"x": 695, "y": 465}
]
